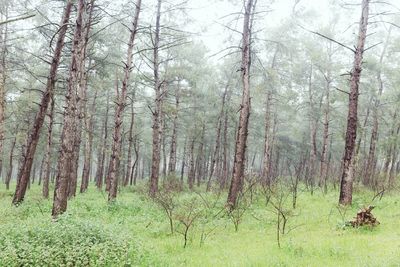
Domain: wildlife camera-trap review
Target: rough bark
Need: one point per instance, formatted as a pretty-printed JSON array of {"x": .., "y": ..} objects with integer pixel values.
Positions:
[
  {"x": 47, "y": 161},
  {"x": 155, "y": 162},
  {"x": 3, "y": 76},
  {"x": 346, "y": 185},
  {"x": 33, "y": 136},
  {"x": 242, "y": 131},
  {"x": 129, "y": 169},
  {"x": 121, "y": 102}
]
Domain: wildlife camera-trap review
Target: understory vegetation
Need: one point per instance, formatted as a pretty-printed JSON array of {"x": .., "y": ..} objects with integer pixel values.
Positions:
[{"x": 137, "y": 231}]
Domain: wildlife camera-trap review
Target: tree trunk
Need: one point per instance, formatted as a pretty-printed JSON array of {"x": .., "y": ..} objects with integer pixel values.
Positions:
[
  {"x": 155, "y": 162},
  {"x": 87, "y": 164},
  {"x": 68, "y": 135},
  {"x": 217, "y": 138},
  {"x": 323, "y": 173},
  {"x": 172, "y": 152},
  {"x": 3, "y": 76},
  {"x": 370, "y": 167},
  {"x": 102, "y": 152},
  {"x": 33, "y": 136},
  {"x": 129, "y": 169},
  {"x": 242, "y": 132},
  {"x": 346, "y": 186},
  {"x": 121, "y": 102},
  {"x": 47, "y": 162},
  {"x": 10, "y": 164}
]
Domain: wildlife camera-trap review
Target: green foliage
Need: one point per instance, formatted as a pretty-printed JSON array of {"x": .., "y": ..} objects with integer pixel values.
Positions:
[{"x": 135, "y": 231}]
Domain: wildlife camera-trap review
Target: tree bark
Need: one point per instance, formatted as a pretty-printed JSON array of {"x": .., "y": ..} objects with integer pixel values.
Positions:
[
  {"x": 172, "y": 153},
  {"x": 242, "y": 132},
  {"x": 102, "y": 152},
  {"x": 33, "y": 136},
  {"x": 346, "y": 185},
  {"x": 155, "y": 162},
  {"x": 121, "y": 102},
  {"x": 87, "y": 164},
  {"x": 47, "y": 161},
  {"x": 68, "y": 138}
]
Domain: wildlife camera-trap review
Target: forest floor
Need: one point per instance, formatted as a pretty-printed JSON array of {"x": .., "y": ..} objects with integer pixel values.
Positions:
[{"x": 135, "y": 231}]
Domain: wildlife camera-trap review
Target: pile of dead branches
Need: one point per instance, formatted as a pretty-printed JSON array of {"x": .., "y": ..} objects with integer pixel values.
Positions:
[{"x": 365, "y": 217}]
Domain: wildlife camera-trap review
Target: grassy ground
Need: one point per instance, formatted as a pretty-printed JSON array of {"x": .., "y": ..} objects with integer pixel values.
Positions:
[{"x": 135, "y": 231}]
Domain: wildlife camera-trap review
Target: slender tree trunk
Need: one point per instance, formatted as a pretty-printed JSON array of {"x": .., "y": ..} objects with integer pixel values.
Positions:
[
  {"x": 346, "y": 186},
  {"x": 33, "y": 136},
  {"x": 192, "y": 170},
  {"x": 172, "y": 152},
  {"x": 224, "y": 174},
  {"x": 370, "y": 168},
  {"x": 47, "y": 162},
  {"x": 217, "y": 138},
  {"x": 66, "y": 156},
  {"x": 89, "y": 125},
  {"x": 242, "y": 132},
  {"x": 117, "y": 136},
  {"x": 3, "y": 76},
  {"x": 129, "y": 170},
  {"x": 155, "y": 162},
  {"x": 10, "y": 163},
  {"x": 102, "y": 152},
  {"x": 183, "y": 160}
]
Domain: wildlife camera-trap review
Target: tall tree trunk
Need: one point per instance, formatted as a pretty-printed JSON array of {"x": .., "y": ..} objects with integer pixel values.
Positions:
[
  {"x": 224, "y": 173},
  {"x": 87, "y": 164},
  {"x": 66, "y": 156},
  {"x": 323, "y": 173},
  {"x": 370, "y": 167},
  {"x": 217, "y": 138},
  {"x": 102, "y": 152},
  {"x": 172, "y": 152},
  {"x": 242, "y": 132},
  {"x": 47, "y": 162},
  {"x": 3, "y": 76},
  {"x": 121, "y": 102},
  {"x": 33, "y": 136},
  {"x": 129, "y": 169},
  {"x": 313, "y": 135},
  {"x": 155, "y": 162},
  {"x": 346, "y": 185}
]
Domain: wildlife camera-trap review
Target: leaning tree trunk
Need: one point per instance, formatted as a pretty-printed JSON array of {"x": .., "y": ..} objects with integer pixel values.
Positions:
[
  {"x": 346, "y": 185},
  {"x": 66, "y": 156},
  {"x": 121, "y": 102},
  {"x": 242, "y": 132},
  {"x": 34, "y": 134},
  {"x": 155, "y": 162}
]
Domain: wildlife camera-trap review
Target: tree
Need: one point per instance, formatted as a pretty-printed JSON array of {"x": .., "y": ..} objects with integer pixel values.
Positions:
[
  {"x": 34, "y": 133},
  {"x": 121, "y": 102},
  {"x": 242, "y": 131},
  {"x": 346, "y": 185}
]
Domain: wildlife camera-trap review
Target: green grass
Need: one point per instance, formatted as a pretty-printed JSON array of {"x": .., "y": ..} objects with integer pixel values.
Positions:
[{"x": 134, "y": 231}]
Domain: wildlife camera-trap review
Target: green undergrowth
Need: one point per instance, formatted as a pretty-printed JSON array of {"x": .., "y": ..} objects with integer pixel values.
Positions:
[{"x": 136, "y": 231}]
